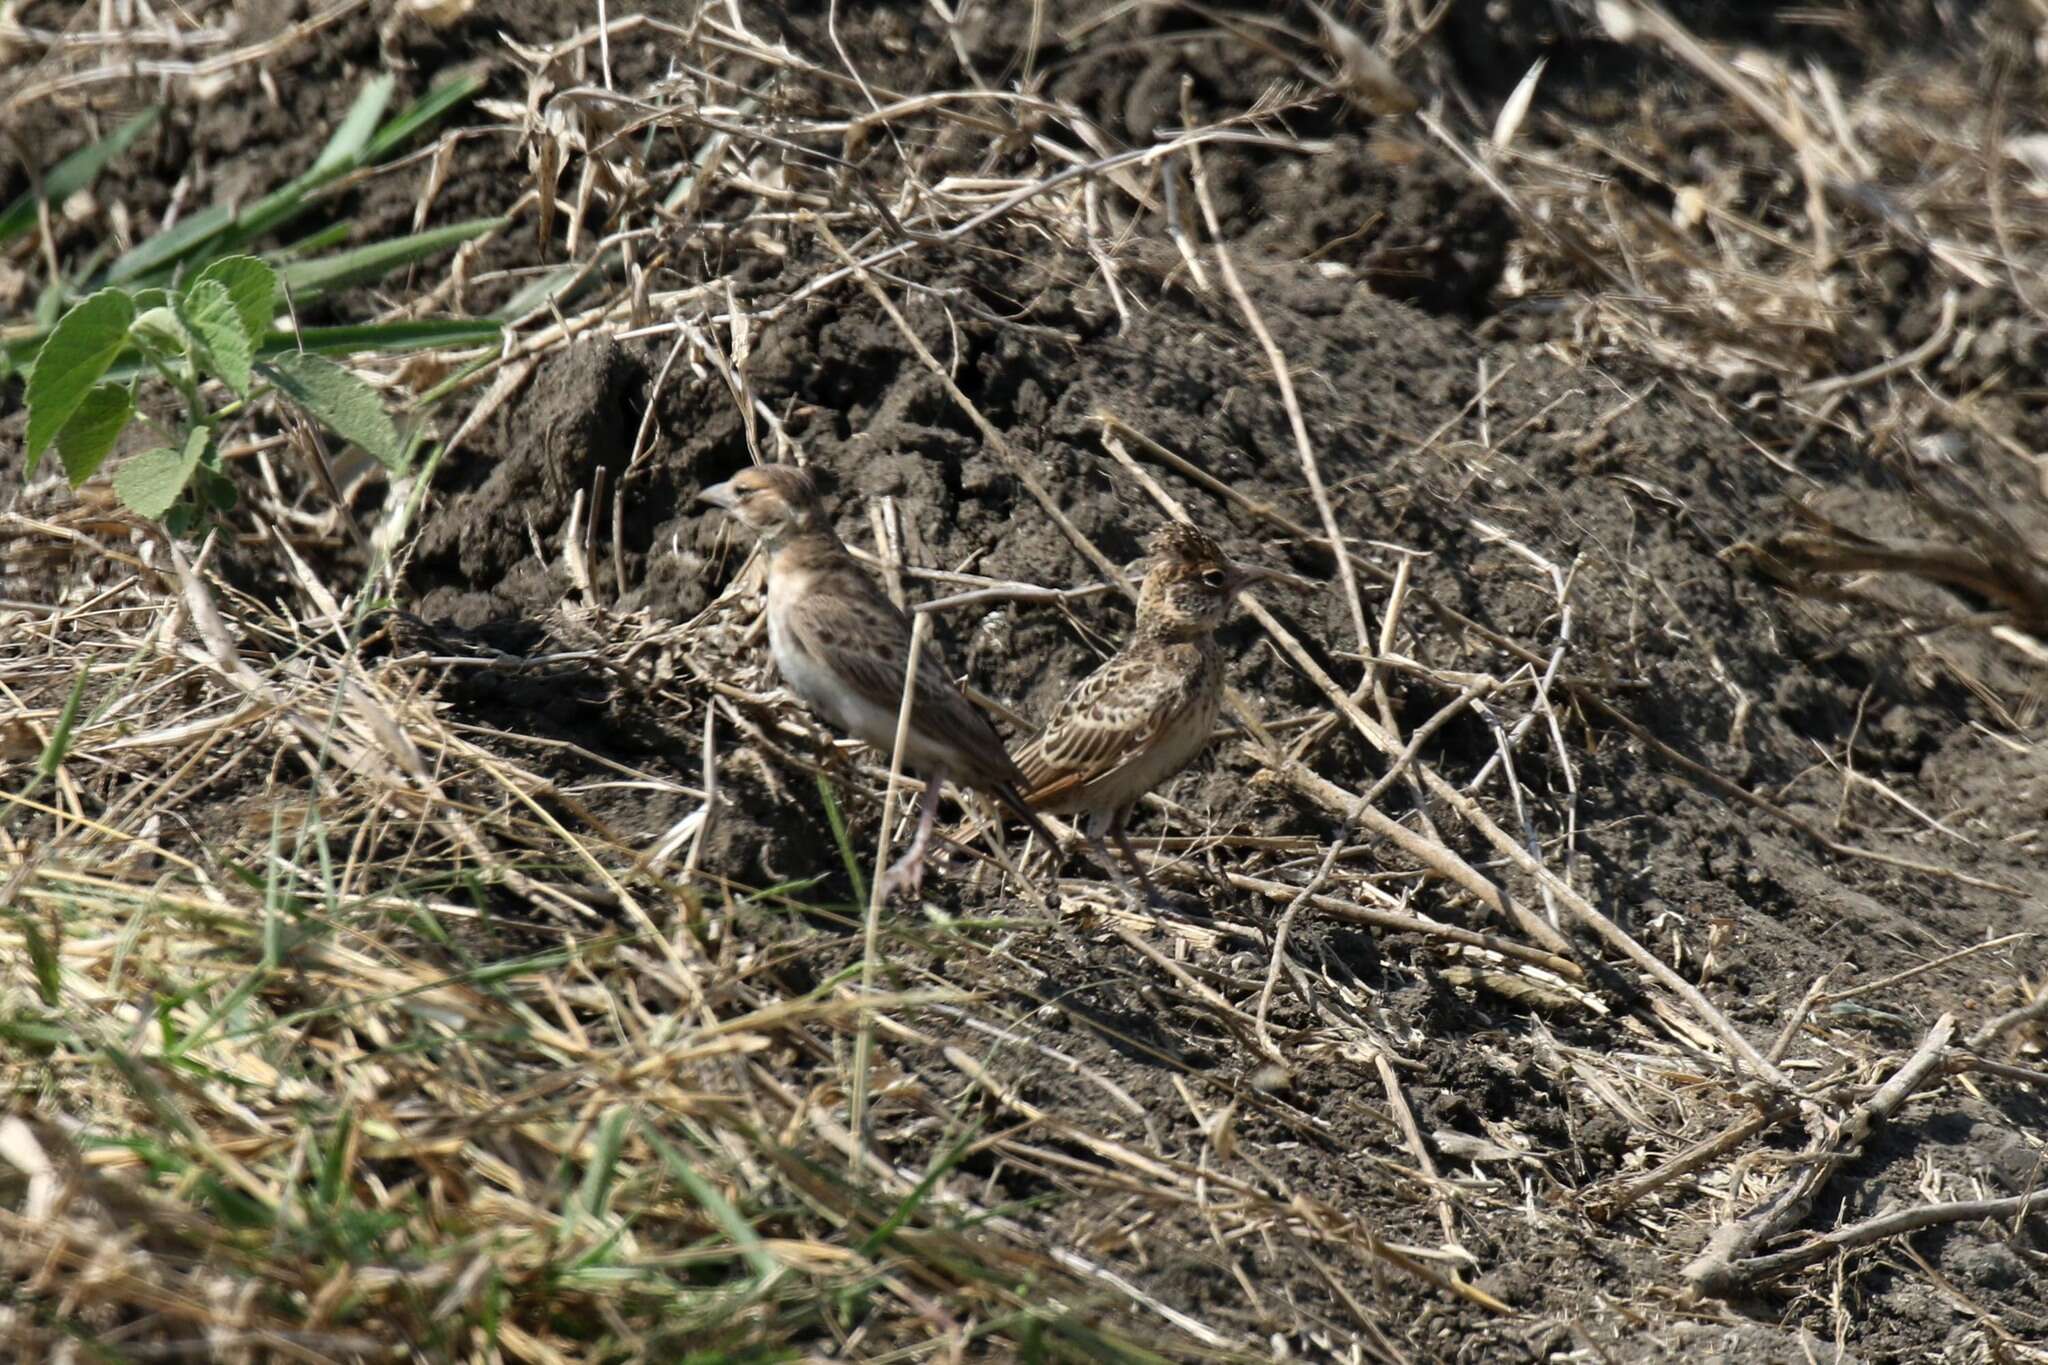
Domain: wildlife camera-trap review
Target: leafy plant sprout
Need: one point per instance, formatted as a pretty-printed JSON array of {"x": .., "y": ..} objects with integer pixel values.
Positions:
[{"x": 192, "y": 305}]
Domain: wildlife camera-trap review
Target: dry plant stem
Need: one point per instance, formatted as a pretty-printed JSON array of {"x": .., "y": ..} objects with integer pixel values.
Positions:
[
  {"x": 1605, "y": 928},
  {"x": 1336, "y": 848},
  {"x": 1865, "y": 988},
  {"x": 1303, "y": 448},
  {"x": 1687, "y": 1161},
  {"x": 1230, "y": 1016},
  {"x": 1404, "y": 1119},
  {"x": 1195, "y": 474},
  {"x": 1990, "y": 1031},
  {"x": 1783, "y": 1043},
  {"x": 1898, "y": 364},
  {"x": 1527, "y": 922},
  {"x": 1175, "y": 1177},
  {"x": 995, "y": 438},
  {"x": 1426, "y": 852},
  {"x": 159, "y": 69},
  {"x": 1888, "y": 1225},
  {"x": 1396, "y": 922},
  {"x": 1718, "y": 1268},
  {"x": 864, "y": 1040}
]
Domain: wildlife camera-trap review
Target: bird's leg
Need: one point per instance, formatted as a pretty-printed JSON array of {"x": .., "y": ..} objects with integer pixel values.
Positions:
[
  {"x": 1123, "y": 846},
  {"x": 907, "y": 872},
  {"x": 1092, "y": 832}
]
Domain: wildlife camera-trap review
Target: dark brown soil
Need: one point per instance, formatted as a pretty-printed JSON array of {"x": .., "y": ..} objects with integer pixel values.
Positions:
[{"x": 1378, "y": 268}]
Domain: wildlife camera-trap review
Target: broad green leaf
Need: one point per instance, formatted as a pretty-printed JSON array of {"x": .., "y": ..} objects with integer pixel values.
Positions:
[
  {"x": 309, "y": 279},
  {"x": 160, "y": 330},
  {"x": 217, "y": 488},
  {"x": 74, "y": 173},
  {"x": 253, "y": 287},
  {"x": 151, "y": 482},
  {"x": 345, "y": 147},
  {"x": 84, "y": 343},
  {"x": 208, "y": 312},
  {"x": 94, "y": 427},
  {"x": 344, "y": 404}
]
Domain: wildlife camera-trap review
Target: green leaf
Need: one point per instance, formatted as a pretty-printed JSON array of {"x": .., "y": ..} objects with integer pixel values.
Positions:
[
  {"x": 344, "y": 404},
  {"x": 89, "y": 436},
  {"x": 44, "y": 959},
  {"x": 327, "y": 238},
  {"x": 309, "y": 279},
  {"x": 253, "y": 287},
  {"x": 173, "y": 244},
  {"x": 159, "y": 330},
  {"x": 74, "y": 173},
  {"x": 208, "y": 312},
  {"x": 388, "y": 338},
  {"x": 345, "y": 147},
  {"x": 84, "y": 343},
  {"x": 422, "y": 112},
  {"x": 217, "y": 489},
  {"x": 151, "y": 482}
]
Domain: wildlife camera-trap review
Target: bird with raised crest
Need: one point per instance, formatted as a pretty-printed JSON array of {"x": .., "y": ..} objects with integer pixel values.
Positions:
[
  {"x": 842, "y": 647},
  {"x": 1147, "y": 712}
]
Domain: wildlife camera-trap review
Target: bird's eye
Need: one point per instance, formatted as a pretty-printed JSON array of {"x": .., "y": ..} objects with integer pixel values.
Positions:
[{"x": 1212, "y": 577}]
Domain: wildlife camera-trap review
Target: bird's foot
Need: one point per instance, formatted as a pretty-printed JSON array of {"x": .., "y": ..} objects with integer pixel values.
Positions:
[{"x": 906, "y": 874}]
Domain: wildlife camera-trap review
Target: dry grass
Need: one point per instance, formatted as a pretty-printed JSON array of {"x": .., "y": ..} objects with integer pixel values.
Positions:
[{"x": 339, "y": 1028}]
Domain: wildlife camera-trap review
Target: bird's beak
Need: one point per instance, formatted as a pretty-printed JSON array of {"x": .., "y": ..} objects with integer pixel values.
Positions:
[{"x": 719, "y": 495}]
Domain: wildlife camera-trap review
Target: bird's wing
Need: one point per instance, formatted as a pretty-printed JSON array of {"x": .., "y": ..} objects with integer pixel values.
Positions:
[
  {"x": 1112, "y": 716},
  {"x": 861, "y": 636}
]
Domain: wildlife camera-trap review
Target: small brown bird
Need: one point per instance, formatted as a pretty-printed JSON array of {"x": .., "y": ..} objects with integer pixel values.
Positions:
[
  {"x": 842, "y": 646},
  {"x": 1146, "y": 713}
]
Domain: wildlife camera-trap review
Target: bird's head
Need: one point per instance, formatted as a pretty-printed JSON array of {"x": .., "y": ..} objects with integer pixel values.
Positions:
[
  {"x": 1190, "y": 587},
  {"x": 774, "y": 501}
]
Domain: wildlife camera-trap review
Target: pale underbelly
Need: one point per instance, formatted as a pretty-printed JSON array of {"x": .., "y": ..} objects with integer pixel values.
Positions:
[{"x": 850, "y": 712}]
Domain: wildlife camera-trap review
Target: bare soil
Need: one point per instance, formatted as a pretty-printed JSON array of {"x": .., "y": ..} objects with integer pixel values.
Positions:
[{"x": 1453, "y": 422}]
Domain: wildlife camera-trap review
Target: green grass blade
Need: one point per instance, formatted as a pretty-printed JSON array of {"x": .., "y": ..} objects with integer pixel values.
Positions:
[
  {"x": 67, "y": 720},
  {"x": 599, "y": 1176},
  {"x": 44, "y": 958},
  {"x": 309, "y": 279},
  {"x": 145, "y": 259},
  {"x": 74, "y": 173},
  {"x": 837, "y": 819},
  {"x": 345, "y": 148},
  {"x": 712, "y": 1202},
  {"x": 422, "y": 112},
  {"x": 557, "y": 286},
  {"x": 912, "y": 1202},
  {"x": 385, "y": 338}
]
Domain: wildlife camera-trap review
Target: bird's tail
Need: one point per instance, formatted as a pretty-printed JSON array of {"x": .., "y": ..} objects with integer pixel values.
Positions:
[{"x": 1013, "y": 801}]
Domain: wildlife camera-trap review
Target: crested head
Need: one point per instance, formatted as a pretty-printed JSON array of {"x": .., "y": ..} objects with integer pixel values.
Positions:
[
  {"x": 774, "y": 501},
  {"x": 1188, "y": 590}
]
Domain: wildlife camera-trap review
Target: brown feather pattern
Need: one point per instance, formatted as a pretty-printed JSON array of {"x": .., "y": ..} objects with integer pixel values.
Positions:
[{"x": 845, "y": 622}]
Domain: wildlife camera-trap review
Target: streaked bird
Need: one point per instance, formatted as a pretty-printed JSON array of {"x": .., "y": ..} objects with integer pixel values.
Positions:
[
  {"x": 1146, "y": 713},
  {"x": 842, "y": 647}
]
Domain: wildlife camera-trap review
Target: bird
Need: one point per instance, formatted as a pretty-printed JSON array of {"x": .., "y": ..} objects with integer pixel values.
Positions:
[
  {"x": 1148, "y": 711},
  {"x": 842, "y": 647}
]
